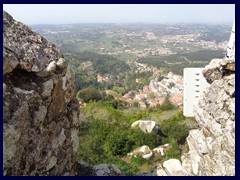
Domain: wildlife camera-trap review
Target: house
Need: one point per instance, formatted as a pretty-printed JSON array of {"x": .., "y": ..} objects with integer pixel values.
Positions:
[
  {"x": 142, "y": 105},
  {"x": 140, "y": 97},
  {"x": 176, "y": 100}
]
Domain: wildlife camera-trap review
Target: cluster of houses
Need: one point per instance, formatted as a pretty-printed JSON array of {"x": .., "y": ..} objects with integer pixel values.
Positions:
[
  {"x": 194, "y": 39},
  {"x": 156, "y": 91}
]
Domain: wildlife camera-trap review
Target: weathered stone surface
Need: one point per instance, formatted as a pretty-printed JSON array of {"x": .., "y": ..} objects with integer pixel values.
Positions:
[
  {"x": 146, "y": 126},
  {"x": 173, "y": 167},
  {"x": 47, "y": 88},
  {"x": 212, "y": 145},
  {"x": 143, "y": 151},
  {"x": 11, "y": 137},
  {"x": 218, "y": 68},
  {"x": 161, "y": 150},
  {"x": 107, "y": 170},
  {"x": 40, "y": 109},
  {"x": 25, "y": 48},
  {"x": 61, "y": 63},
  {"x": 84, "y": 169},
  {"x": 228, "y": 65},
  {"x": 52, "y": 162},
  {"x": 160, "y": 171}
]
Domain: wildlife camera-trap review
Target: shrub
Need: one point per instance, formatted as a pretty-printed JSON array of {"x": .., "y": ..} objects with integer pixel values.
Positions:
[
  {"x": 167, "y": 105},
  {"x": 88, "y": 94},
  {"x": 138, "y": 161},
  {"x": 117, "y": 143},
  {"x": 140, "y": 115},
  {"x": 174, "y": 151},
  {"x": 175, "y": 128},
  {"x": 126, "y": 168}
]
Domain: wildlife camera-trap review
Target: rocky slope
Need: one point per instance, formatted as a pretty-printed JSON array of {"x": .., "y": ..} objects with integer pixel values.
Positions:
[
  {"x": 212, "y": 145},
  {"x": 40, "y": 109}
]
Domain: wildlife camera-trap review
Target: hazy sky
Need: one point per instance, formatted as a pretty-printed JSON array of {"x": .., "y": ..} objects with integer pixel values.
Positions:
[{"x": 121, "y": 13}]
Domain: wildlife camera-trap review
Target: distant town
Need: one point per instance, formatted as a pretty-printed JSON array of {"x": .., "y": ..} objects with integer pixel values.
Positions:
[{"x": 160, "y": 51}]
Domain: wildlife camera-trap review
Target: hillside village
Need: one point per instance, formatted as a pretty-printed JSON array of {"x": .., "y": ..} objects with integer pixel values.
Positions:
[{"x": 156, "y": 91}]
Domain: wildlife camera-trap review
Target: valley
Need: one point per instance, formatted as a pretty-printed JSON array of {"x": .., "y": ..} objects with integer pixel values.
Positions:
[{"x": 133, "y": 72}]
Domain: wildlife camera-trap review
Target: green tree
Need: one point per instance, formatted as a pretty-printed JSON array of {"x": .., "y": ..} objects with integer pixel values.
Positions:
[
  {"x": 88, "y": 94},
  {"x": 171, "y": 85},
  {"x": 167, "y": 105},
  {"x": 135, "y": 104}
]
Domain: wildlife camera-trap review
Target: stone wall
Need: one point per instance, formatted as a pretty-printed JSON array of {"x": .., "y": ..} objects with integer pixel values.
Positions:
[
  {"x": 212, "y": 145},
  {"x": 40, "y": 108}
]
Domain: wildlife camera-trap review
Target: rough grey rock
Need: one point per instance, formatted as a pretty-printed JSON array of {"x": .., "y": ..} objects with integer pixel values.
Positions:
[
  {"x": 143, "y": 151},
  {"x": 107, "y": 170},
  {"x": 84, "y": 169},
  {"x": 146, "y": 126},
  {"x": 212, "y": 145},
  {"x": 218, "y": 68},
  {"x": 173, "y": 167},
  {"x": 52, "y": 162},
  {"x": 161, "y": 150},
  {"x": 40, "y": 108},
  {"x": 25, "y": 48},
  {"x": 160, "y": 171},
  {"x": 61, "y": 63}
]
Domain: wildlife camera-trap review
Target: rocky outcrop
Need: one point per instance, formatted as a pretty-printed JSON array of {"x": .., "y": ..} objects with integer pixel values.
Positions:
[
  {"x": 212, "y": 145},
  {"x": 173, "y": 167},
  {"x": 40, "y": 109},
  {"x": 107, "y": 170},
  {"x": 146, "y": 126},
  {"x": 143, "y": 151},
  {"x": 161, "y": 150},
  {"x": 160, "y": 171},
  {"x": 99, "y": 170},
  {"x": 146, "y": 153}
]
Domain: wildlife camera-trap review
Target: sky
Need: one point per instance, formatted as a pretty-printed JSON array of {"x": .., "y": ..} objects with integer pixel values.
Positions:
[{"x": 121, "y": 13}]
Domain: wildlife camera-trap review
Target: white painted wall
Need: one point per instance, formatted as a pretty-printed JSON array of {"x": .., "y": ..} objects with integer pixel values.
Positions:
[{"x": 194, "y": 84}]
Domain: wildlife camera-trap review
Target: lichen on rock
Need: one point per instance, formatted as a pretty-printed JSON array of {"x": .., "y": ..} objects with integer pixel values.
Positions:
[{"x": 40, "y": 108}]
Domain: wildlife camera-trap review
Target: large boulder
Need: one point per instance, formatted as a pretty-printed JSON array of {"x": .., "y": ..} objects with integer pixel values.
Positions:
[
  {"x": 146, "y": 126},
  {"x": 40, "y": 127},
  {"x": 84, "y": 169},
  {"x": 173, "y": 167},
  {"x": 107, "y": 170}
]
